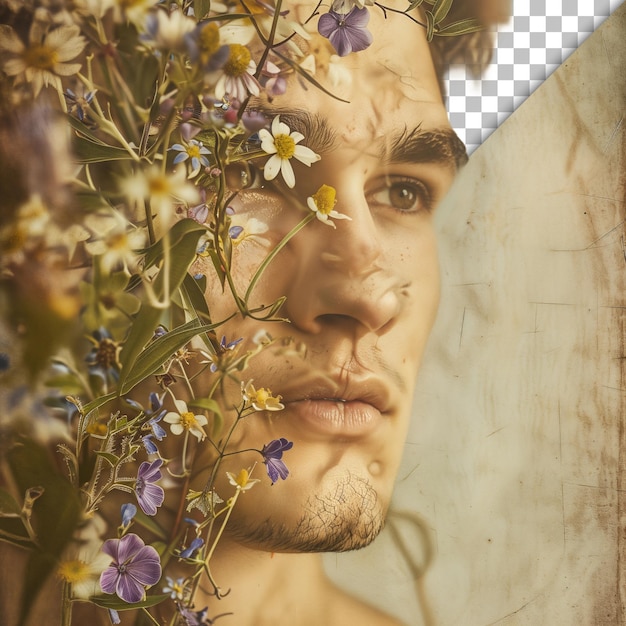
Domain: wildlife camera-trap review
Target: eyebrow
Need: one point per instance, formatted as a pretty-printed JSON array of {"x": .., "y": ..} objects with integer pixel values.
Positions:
[{"x": 438, "y": 145}]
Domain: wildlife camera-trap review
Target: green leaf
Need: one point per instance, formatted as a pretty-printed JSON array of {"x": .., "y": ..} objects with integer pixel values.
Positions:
[
  {"x": 177, "y": 235},
  {"x": 113, "y": 602},
  {"x": 153, "y": 357},
  {"x": 86, "y": 151},
  {"x": 55, "y": 513},
  {"x": 430, "y": 25},
  {"x": 108, "y": 457},
  {"x": 462, "y": 27},
  {"x": 205, "y": 403},
  {"x": 194, "y": 295},
  {"x": 8, "y": 505},
  {"x": 183, "y": 240},
  {"x": 149, "y": 523},
  {"x": 441, "y": 9},
  {"x": 201, "y": 8},
  {"x": 98, "y": 402}
]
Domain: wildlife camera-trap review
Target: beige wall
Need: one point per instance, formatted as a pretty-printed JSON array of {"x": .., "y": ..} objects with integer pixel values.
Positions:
[{"x": 516, "y": 461}]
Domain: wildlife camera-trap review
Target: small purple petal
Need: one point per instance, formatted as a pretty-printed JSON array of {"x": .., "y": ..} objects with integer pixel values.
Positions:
[
  {"x": 328, "y": 23},
  {"x": 108, "y": 579},
  {"x": 150, "y": 472},
  {"x": 276, "y": 469},
  {"x": 145, "y": 568},
  {"x": 129, "y": 589},
  {"x": 358, "y": 18},
  {"x": 150, "y": 498},
  {"x": 114, "y": 616}
]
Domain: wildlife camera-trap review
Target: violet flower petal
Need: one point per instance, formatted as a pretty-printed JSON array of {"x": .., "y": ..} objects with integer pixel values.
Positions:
[
  {"x": 129, "y": 589},
  {"x": 145, "y": 568}
]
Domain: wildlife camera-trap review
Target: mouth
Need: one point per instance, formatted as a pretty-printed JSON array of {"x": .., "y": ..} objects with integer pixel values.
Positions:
[{"x": 355, "y": 412}]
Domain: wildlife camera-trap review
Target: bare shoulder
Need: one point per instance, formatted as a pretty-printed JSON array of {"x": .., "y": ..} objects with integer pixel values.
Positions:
[{"x": 346, "y": 609}]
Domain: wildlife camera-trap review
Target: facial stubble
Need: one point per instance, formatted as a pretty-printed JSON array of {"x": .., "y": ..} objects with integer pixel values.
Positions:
[{"x": 347, "y": 516}]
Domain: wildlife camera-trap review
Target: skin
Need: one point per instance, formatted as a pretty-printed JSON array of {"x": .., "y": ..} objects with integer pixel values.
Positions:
[{"x": 362, "y": 298}]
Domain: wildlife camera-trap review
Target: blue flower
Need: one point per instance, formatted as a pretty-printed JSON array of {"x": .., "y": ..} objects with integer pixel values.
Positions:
[
  {"x": 80, "y": 103},
  {"x": 193, "y": 150},
  {"x": 128, "y": 511},
  {"x": 272, "y": 457},
  {"x": 149, "y": 445},
  {"x": 149, "y": 495},
  {"x": 190, "y": 551},
  {"x": 347, "y": 33}
]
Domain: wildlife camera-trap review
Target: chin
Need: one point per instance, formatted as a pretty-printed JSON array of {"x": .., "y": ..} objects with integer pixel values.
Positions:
[{"x": 347, "y": 516}]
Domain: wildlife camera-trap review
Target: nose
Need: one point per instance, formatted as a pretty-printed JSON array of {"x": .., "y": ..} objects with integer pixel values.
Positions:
[{"x": 342, "y": 274}]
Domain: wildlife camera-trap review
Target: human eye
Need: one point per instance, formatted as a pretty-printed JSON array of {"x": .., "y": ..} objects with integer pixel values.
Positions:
[{"x": 403, "y": 194}]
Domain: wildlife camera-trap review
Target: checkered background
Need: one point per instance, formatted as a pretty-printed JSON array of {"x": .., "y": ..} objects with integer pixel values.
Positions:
[{"x": 540, "y": 36}]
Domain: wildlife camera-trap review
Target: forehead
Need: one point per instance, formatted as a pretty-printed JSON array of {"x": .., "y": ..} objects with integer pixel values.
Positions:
[{"x": 390, "y": 87}]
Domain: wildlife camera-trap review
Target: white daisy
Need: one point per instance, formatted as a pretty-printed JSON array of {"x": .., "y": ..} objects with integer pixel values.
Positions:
[{"x": 282, "y": 144}]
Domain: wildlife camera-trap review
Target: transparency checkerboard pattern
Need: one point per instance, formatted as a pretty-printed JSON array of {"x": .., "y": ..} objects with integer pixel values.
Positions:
[{"x": 538, "y": 38}]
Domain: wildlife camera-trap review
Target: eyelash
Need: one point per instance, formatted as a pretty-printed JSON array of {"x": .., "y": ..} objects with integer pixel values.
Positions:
[{"x": 421, "y": 192}]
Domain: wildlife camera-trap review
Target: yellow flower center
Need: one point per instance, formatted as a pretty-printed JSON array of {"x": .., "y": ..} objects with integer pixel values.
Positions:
[
  {"x": 238, "y": 60},
  {"x": 285, "y": 146},
  {"x": 209, "y": 40},
  {"x": 262, "y": 396},
  {"x": 242, "y": 478},
  {"x": 325, "y": 199},
  {"x": 41, "y": 57},
  {"x": 193, "y": 151},
  {"x": 73, "y": 571},
  {"x": 188, "y": 420},
  {"x": 159, "y": 186},
  {"x": 117, "y": 241}
]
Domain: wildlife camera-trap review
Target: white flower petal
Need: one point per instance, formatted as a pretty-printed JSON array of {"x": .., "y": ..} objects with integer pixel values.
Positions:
[
  {"x": 9, "y": 40},
  {"x": 305, "y": 155},
  {"x": 272, "y": 167},
  {"x": 287, "y": 172},
  {"x": 177, "y": 429},
  {"x": 275, "y": 125},
  {"x": 181, "y": 405},
  {"x": 297, "y": 137}
]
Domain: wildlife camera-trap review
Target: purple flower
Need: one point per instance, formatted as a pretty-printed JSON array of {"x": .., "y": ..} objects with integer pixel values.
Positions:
[
  {"x": 347, "y": 33},
  {"x": 272, "y": 457},
  {"x": 149, "y": 495},
  {"x": 135, "y": 566},
  {"x": 191, "y": 617}
]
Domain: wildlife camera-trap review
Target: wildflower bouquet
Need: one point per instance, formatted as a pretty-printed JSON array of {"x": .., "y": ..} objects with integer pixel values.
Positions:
[{"x": 128, "y": 130}]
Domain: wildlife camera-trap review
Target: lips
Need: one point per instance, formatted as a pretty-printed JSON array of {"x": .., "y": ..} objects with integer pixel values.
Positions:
[{"x": 355, "y": 412}]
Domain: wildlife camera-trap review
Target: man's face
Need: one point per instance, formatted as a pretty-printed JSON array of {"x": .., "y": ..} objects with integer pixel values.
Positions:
[{"x": 362, "y": 297}]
